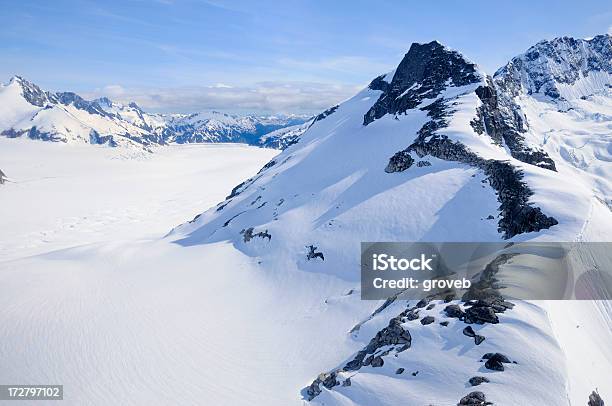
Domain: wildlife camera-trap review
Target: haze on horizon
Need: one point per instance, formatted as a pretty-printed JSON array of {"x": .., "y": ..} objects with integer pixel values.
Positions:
[{"x": 237, "y": 56}]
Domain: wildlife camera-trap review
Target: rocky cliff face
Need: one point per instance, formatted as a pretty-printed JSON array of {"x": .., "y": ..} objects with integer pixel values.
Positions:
[
  {"x": 551, "y": 66},
  {"x": 425, "y": 71}
]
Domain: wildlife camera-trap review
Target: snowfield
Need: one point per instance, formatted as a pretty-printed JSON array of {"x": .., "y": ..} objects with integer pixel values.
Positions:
[{"x": 62, "y": 195}]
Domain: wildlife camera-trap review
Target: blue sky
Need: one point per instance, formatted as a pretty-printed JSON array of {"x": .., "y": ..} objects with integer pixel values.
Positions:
[{"x": 287, "y": 56}]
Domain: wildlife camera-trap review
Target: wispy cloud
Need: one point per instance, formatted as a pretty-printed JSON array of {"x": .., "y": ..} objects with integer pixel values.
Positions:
[
  {"x": 277, "y": 97},
  {"x": 345, "y": 64}
]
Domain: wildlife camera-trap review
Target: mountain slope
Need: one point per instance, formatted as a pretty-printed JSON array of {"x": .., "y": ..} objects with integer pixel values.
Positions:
[
  {"x": 66, "y": 117},
  {"x": 435, "y": 151}
]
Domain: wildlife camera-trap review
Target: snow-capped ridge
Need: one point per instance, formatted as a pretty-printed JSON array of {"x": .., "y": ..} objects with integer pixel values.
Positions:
[
  {"x": 562, "y": 68},
  {"x": 67, "y": 117},
  {"x": 424, "y": 72}
]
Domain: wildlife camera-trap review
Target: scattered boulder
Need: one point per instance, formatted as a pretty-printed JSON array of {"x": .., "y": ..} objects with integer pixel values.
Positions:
[
  {"x": 431, "y": 306},
  {"x": 412, "y": 315},
  {"x": 415, "y": 373},
  {"x": 477, "y": 380},
  {"x": 3, "y": 177},
  {"x": 347, "y": 382},
  {"x": 427, "y": 320},
  {"x": 495, "y": 361},
  {"x": 454, "y": 311},
  {"x": 478, "y": 339},
  {"x": 474, "y": 399},
  {"x": 399, "y": 371},
  {"x": 469, "y": 331},
  {"x": 444, "y": 323}
]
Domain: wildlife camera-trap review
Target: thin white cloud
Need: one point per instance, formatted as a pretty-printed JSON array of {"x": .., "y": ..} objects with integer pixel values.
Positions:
[
  {"x": 345, "y": 64},
  {"x": 278, "y": 97}
]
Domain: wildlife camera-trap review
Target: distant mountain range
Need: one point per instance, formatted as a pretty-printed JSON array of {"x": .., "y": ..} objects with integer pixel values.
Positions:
[{"x": 28, "y": 111}]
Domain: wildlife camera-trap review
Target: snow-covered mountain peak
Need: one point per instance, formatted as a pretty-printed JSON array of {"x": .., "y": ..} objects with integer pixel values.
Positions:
[
  {"x": 425, "y": 71},
  {"x": 563, "y": 68},
  {"x": 29, "y": 91}
]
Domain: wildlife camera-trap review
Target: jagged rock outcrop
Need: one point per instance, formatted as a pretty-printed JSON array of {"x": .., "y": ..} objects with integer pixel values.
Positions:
[
  {"x": 595, "y": 399},
  {"x": 425, "y": 71},
  {"x": 503, "y": 121},
  {"x": 547, "y": 67}
]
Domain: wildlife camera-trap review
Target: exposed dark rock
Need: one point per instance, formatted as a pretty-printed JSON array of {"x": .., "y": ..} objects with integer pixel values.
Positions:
[
  {"x": 567, "y": 60},
  {"x": 503, "y": 121},
  {"x": 495, "y": 361},
  {"x": 425, "y": 71},
  {"x": 377, "y": 362},
  {"x": 325, "y": 114},
  {"x": 346, "y": 382},
  {"x": 422, "y": 303},
  {"x": 431, "y": 306},
  {"x": 399, "y": 371},
  {"x": 595, "y": 399},
  {"x": 517, "y": 214},
  {"x": 490, "y": 217},
  {"x": 454, "y": 311},
  {"x": 480, "y": 315},
  {"x": 444, "y": 323},
  {"x": 412, "y": 315},
  {"x": 427, "y": 320},
  {"x": 393, "y": 334},
  {"x": 421, "y": 164},
  {"x": 477, "y": 380},
  {"x": 248, "y": 234},
  {"x": 328, "y": 380},
  {"x": 267, "y": 166},
  {"x": 478, "y": 339},
  {"x": 474, "y": 399},
  {"x": 415, "y": 373},
  {"x": 469, "y": 331},
  {"x": 313, "y": 253},
  {"x": 228, "y": 221},
  {"x": 399, "y": 162},
  {"x": 379, "y": 83}
]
